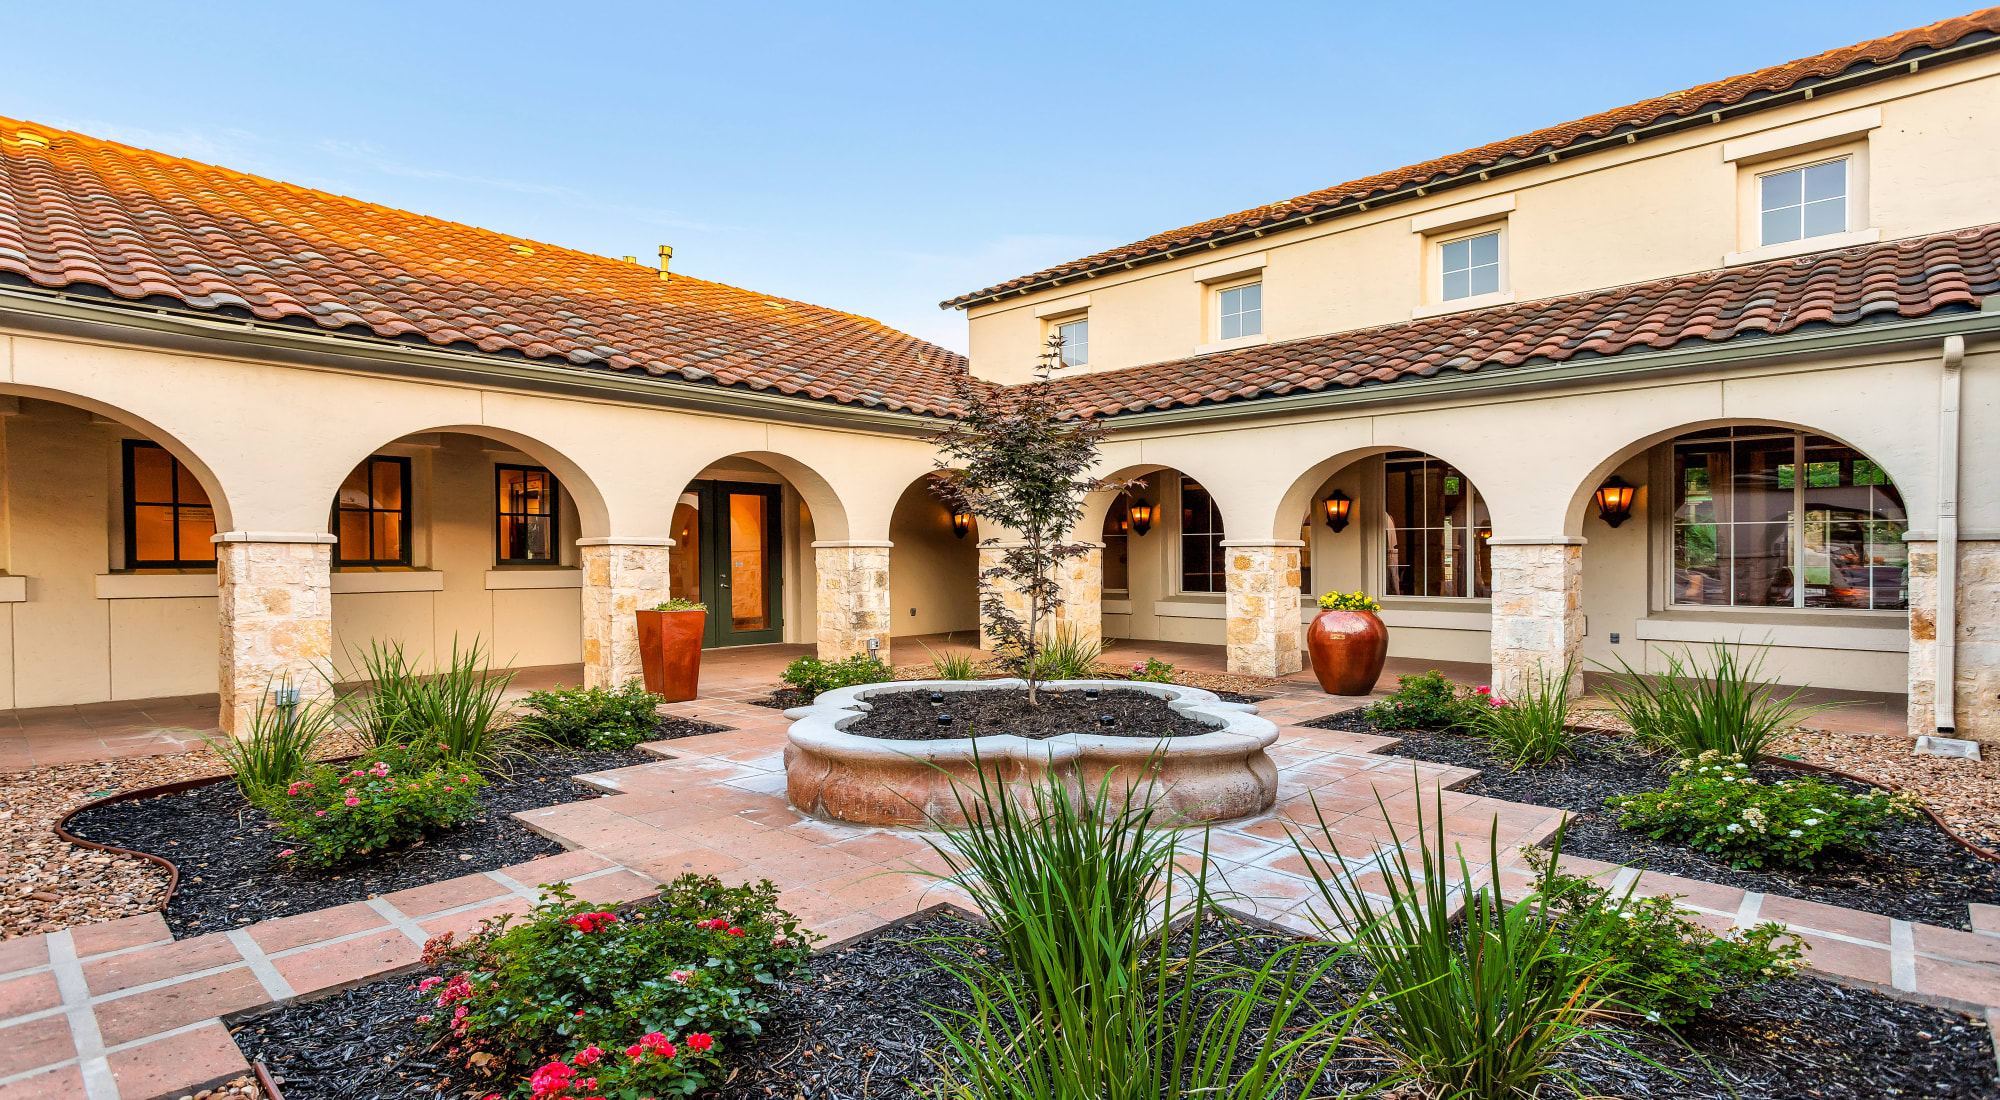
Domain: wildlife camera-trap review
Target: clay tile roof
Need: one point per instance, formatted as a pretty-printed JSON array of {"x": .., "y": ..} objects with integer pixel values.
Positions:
[
  {"x": 1897, "y": 279},
  {"x": 1702, "y": 99},
  {"x": 78, "y": 210}
]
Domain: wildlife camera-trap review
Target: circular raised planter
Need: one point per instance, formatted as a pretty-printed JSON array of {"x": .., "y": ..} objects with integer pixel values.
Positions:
[{"x": 841, "y": 776}]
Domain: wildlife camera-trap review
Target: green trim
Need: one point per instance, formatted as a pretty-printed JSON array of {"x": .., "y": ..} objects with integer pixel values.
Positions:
[
  {"x": 1494, "y": 378},
  {"x": 376, "y": 355}
]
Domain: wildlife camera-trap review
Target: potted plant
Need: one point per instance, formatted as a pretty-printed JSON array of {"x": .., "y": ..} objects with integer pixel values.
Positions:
[
  {"x": 1348, "y": 643},
  {"x": 670, "y": 648}
]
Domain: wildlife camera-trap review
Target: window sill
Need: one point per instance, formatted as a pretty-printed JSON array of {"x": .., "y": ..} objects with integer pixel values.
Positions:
[
  {"x": 1122, "y": 606},
  {"x": 1193, "y": 605},
  {"x": 535, "y": 576},
  {"x": 1438, "y": 613},
  {"x": 1806, "y": 247},
  {"x": 1460, "y": 305},
  {"x": 154, "y": 586},
  {"x": 377, "y": 579},
  {"x": 1231, "y": 345},
  {"x": 1791, "y": 628}
]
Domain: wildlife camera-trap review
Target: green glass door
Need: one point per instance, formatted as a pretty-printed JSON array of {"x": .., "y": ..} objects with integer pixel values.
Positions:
[{"x": 741, "y": 557}]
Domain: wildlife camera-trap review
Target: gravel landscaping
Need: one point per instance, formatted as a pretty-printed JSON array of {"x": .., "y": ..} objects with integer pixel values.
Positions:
[
  {"x": 915, "y": 716},
  {"x": 853, "y": 1025},
  {"x": 1916, "y": 871},
  {"x": 226, "y": 849}
]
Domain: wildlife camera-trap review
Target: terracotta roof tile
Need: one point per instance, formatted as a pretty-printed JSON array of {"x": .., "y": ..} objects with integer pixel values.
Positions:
[
  {"x": 1908, "y": 278},
  {"x": 79, "y": 210},
  {"x": 1697, "y": 100}
]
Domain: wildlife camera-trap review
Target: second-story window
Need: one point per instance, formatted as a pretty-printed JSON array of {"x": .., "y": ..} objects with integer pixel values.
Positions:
[
  {"x": 1240, "y": 311},
  {"x": 1470, "y": 266},
  {"x": 371, "y": 515},
  {"x": 1075, "y": 337},
  {"x": 526, "y": 516},
  {"x": 1804, "y": 202}
]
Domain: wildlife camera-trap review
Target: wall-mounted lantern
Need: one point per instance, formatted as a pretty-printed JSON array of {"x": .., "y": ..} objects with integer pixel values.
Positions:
[
  {"x": 1141, "y": 514},
  {"x": 961, "y": 522},
  {"x": 1336, "y": 507},
  {"x": 1614, "y": 501}
]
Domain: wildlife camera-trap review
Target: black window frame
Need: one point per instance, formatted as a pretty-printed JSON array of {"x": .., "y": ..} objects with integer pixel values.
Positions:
[
  {"x": 553, "y": 515},
  {"x": 132, "y": 504},
  {"x": 1216, "y": 574},
  {"x": 333, "y": 522}
]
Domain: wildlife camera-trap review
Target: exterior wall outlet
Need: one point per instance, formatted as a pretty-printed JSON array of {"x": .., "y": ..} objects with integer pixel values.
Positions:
[{"x": 874, "y": 645}]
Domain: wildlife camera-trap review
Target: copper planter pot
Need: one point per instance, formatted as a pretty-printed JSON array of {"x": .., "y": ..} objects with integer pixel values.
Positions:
[
  {"x": 670, "y": 652},
  {"x": 1348, "y": 648}
]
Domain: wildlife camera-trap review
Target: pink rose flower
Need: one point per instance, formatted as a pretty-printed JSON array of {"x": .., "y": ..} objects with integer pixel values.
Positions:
[
  {"x": 700, "y": 1040},
  {"x": 352, "y": 801}
]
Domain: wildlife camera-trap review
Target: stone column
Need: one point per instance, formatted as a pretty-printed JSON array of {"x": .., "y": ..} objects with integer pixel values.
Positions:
[
  {"x": 621, "y": 574},
  {"x": 853, "y": 597},
  {"x": 1976, "y": 662},
  {"x": 276, "y": 611},
  {"x": 1537, "y": 609},
  {"x": 1079, "y": 583},
  {"x": 1262, "y": 577}
]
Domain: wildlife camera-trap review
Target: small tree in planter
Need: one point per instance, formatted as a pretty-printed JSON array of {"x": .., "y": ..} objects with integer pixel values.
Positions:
[{"x": 1022, "y": 465}]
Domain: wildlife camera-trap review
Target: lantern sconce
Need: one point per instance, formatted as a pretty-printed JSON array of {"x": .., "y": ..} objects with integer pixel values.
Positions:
[
  {"x": 1141, "y": 514},
  {"x": 1336, "y": 507},
  {"x": 961, "y": 522},
  {"x": 1614, "y": 501}
]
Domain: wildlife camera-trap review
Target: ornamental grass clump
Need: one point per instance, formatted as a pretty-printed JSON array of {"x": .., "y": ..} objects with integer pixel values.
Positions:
[
  {"x": 1532, "y": 727},
  {"x": 285, "y": 731},
  {"x": 1102, "y": 990},
  {"x": 1068, "y": 654},
  {"x": 1482, "y": 1008},
  {"x": 1426, "y": 701},
  {"x": 386, "y": 799},
  {"x": 1714, "y": 804},
  {"x": 1660, "y": 964},
  {"x": 595, "y": 719},
  {"x": 458, "y": 708},
  {"x": 1726, "y": 707},
  {"x": 575, "y": 1001}
]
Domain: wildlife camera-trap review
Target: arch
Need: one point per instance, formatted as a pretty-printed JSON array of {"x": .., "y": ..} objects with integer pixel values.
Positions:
[
  {"x": 933, "y": 571},
  {"x": 829, "y": 512},
  {"x": 1297, "y": 499},
  {"x": 211, "y": 481},
  {"x": 593, "y": 516}
]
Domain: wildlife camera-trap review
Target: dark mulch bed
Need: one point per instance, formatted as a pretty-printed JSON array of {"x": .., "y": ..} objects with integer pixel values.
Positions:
[
  {"x": 985, "y": 712},
  {"x": 853, "y": 1025},
  {"x": 787, "y": 698},
  {"x": 226, "y": 848},
  {"x": 1916, "y": 871}
]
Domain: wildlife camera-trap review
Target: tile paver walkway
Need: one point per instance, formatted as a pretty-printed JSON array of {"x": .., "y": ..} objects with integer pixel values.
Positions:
[{"x": 121, "y": 1011}]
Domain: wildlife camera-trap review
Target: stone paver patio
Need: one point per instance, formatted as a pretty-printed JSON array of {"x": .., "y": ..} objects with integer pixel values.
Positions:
[{"x": 121, "y": 1011}]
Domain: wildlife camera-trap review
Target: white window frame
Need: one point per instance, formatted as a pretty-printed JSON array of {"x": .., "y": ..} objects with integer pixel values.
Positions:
[
  {"x": 1056, "y": 328},
  {"x": 1753, "y": 170},
  {"x": 1435, "y": 302},
  {"x": 1241, "y": 337},
  {"x": 1846, "y": 163}
]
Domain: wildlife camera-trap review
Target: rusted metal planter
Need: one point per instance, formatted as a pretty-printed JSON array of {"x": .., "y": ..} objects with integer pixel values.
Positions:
[
  {"x": 670, "y": 652},
  {"x": 1348, "y": 648},
  {"x": 841, "y": 776}
]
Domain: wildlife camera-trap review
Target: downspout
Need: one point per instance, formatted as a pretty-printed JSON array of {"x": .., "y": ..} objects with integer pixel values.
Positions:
[{"x": 1946, "y": 673}]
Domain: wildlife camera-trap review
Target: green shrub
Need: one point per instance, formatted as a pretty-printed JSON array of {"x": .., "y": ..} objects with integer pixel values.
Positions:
[
  {"x": 811, "y": 676},
  {"x": 1659, "y": 963},
  {"x": 1481, "y": 1007},
  {"x": 692, "y": 961},
  {"x": 1348, "y": 601},
  {"x": 1533, "y": 726},
  {"x": 1724, "y": 708},
  {"x": 1713, "y": 804},
  {"x": 1154, "y": 671},
  {"x": 680, "y": 603},
  {"x": 282, "y": 739},
  {"x": 393, "y": 796},
  {"x": 597, "y": 719},
  {"x": 1426, "y": 701},
  {"x": 1067, "y": 654},
  {"x": 381, "y": 712}
]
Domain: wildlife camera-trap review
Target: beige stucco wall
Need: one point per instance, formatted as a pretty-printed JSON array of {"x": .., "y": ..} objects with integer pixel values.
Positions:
[
  {"x": 1663, "y": 207},
  {"x": 933, "y": 574}
]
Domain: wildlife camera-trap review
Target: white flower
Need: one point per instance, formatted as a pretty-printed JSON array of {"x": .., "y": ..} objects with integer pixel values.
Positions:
[
  {"x": 1735, "y": 828},
  {"x": 1796, "y": 832},
  {"x": 1653, "y": 1017},
  {"x": 1812, "y": 821}
]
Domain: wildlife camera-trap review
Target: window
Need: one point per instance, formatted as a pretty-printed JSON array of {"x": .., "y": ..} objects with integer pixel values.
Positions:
[
  {"x": 1471, "y": 266},
  {"x": 1117, "y": 545},
  {"x": 371, "y": 515},
  {"x": 1436, "y": 530},
  {"x": 168, "y": 520},
  {"x": 1201, "y": 540},
  {"x": 1804, "y": 202},
  {"x": 1749, "y": 531},
  {"x": 526, "y": 515},
  {"x": 1306, "y": 556},
  {"x": 1240, "y": 311},
  {"x": 1075, "y": 337}
]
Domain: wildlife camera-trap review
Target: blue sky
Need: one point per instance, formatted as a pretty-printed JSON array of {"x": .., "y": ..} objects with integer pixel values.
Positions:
[{"x": 872, "y": 157}]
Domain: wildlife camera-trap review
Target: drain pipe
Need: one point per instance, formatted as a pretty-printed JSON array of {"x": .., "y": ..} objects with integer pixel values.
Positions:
[{"x": 1945, "y": 704}]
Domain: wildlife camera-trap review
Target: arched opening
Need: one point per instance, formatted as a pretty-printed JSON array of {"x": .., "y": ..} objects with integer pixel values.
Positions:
[
  {"x": 108, "y": 588},
  {"x": 1762, "y": 534},
  {"x": 933, "y": 575},
  {"x": 1165, "y": 574},
  {"x": 743, "y": 530}
]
